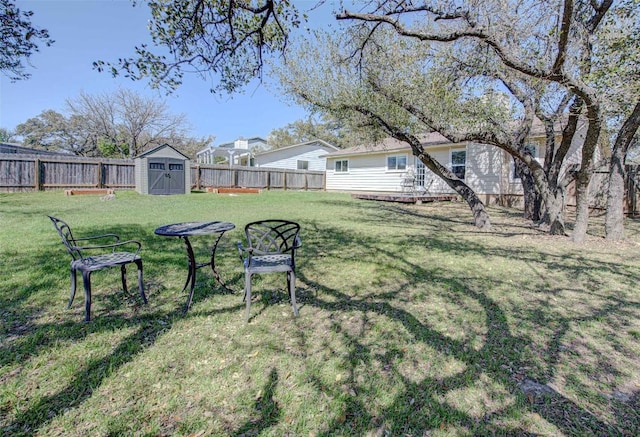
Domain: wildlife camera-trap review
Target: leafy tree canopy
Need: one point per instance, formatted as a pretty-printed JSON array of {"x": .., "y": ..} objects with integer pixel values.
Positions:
[
  {"x": 19, "y": 39},
  {"x": 226, "y": 41},
  {"x": 324, "y": 128},
  {"x": 6, "y": 135}
]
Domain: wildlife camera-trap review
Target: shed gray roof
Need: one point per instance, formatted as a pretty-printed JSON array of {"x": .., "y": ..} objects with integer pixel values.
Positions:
[{"x": 155, "y": 149}]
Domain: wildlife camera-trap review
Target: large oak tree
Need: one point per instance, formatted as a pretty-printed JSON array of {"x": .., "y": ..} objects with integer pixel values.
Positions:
[{"x": 552, "y": 42}]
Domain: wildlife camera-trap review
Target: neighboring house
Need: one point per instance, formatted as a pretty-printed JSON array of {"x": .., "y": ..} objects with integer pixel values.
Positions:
[
  {"x": 310, "y": 155},
  {"x": 383, "y": 167},
  {"x": 238, "y": 152},
  {"x": 17, "y": 148}
]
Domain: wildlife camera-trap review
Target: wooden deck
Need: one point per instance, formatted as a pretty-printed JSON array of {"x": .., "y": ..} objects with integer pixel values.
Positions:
[{"x": 405, "y": 198}]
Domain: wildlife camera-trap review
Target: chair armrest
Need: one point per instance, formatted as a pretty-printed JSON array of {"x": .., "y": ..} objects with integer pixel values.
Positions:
[
  {"x": 130, "y": 242},
  {"x": 96, "y": 237},
  {"x": 249, "y": 251},
  {"x": 112, "y": 246},
  {"x": 297, "y": 242},
  {"x": 241, "y": 250}
]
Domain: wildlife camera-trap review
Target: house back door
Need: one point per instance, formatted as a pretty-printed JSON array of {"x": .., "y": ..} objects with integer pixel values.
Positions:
[
  {"x": 420, "y": 171},
  {"x": 166, "y": 176}
]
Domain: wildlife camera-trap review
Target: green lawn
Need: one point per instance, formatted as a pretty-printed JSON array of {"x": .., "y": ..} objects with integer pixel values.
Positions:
[{"x": 411, "y": 323}]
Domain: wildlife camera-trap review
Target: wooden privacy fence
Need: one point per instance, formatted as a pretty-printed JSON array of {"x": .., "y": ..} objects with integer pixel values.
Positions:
[
  {"x": 45, "y": 172},
  {"x": 633, "y": 190},
  {"x": 203, "y": 176},
  {"x": 598, "y": 190}
]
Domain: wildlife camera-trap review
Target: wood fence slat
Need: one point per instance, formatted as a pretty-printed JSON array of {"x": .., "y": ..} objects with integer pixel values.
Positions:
[{"x": 41, "y": 172}]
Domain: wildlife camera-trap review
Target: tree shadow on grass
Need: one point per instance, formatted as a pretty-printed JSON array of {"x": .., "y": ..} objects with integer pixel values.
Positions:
[
  {"x": 417, "y": 408},
  {"x": 27, "y": 334},
  {"x": 266, "y": 408},
  {"x": 420, "y": 407}
]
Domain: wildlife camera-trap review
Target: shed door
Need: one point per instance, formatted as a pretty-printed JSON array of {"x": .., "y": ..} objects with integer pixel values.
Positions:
[{"x": 166, "y": 176}]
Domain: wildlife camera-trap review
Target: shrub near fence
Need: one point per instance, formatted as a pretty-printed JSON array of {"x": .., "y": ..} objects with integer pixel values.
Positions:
[{"x": 45, "y": 172}]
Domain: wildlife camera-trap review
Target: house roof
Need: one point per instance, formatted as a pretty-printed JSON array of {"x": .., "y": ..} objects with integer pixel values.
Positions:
[
  {"x": 429, "y": 139},
  {"x": 223, "y": 148},
  {"x": 18, "y": 148},
  {"x": 155, "y": 149},
  {"x": 321, "y": 143},
  {"x": 252, "y": 140},
  {"x": 390, "y": 145},
  {"x": 224, "y": 151}
]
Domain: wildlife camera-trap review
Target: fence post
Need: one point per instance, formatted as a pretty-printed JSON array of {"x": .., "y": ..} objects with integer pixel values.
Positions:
[
  {"x": 198, "y": 177},
  {"x": 37, "y": 175},
  {"x": 100, "y": 174},
  {"x": 284, "y": 180},
  {"x": 635, "y": 188},
  {"x": 632, "y": 190}
]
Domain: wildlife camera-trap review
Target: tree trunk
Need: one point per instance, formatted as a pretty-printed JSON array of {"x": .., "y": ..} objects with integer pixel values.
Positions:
[
  {"x": 614, "y": 220},
  {"x": 582, "y": 206},
  {"x": 553, "y": 214},
  {"x": 551, "y": 203},
  {"x": 583, "y": 177},
  {"x": 480, "y": 214},
  {"x": 532, "y": 198}
]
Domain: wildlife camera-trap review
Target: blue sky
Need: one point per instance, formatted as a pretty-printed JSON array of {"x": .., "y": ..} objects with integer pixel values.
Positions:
[{"x": 88, "y": 30}]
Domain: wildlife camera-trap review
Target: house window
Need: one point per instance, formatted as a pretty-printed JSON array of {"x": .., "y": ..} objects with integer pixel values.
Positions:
[
  {"x": 342, "y": 166},
  {"x": 397, "y": 162},
  {"x": 514, "y": 173},
  {"x": 459, "y": 163},
  {"x": 303, "y": 165}
]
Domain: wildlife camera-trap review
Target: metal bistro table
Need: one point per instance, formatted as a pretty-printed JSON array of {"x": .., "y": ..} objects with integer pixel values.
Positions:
[{"x": 190, "y": 229}]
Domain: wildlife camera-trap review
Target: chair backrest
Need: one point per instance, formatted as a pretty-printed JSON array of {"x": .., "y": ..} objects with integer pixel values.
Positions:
[
  {"x": 272, "y": 236},
  {"x": 67, "y": 237}
]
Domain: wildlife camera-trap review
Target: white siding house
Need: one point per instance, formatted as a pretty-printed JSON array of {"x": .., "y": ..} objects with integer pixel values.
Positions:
[
  {"x": 382, "y": 167},
  {"x": 238, "y": 152},
  {"x": 364, "y": 168},
  {"x": 309, "y": 155}
]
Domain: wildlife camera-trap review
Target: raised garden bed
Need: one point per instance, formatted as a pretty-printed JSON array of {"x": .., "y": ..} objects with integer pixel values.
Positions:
[
  {"x": 99, "y": 191},
  {"x": 231, "y": 190}
]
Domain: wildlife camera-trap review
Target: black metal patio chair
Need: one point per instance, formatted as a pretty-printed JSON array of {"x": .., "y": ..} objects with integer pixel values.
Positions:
[
  {"x": 92, "y": 256},
  {"x": 272, "y": 246}
]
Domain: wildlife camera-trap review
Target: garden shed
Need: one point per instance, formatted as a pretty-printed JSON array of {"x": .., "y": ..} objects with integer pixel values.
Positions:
[{"x": 163, "y": 170}]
